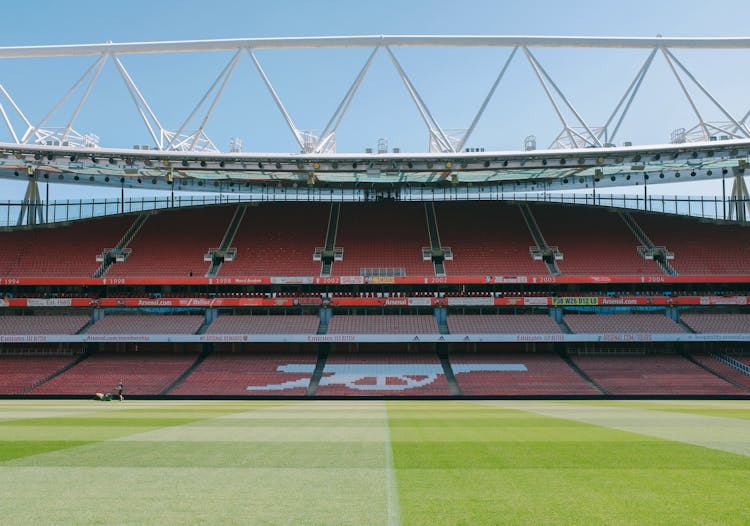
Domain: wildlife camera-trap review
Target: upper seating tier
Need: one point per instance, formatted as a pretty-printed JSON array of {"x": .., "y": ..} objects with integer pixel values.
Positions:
[
  {"x": 592, "y": 241},
  {"x": 60, "y": 250},
  {"x": 278, "y": 239},
  {"x": 486, "y": 238},
  {"x": 382, "y": 235},
  {"x": 174, "y": 242},
  {"x": 699, "y": 248},
  {"x": 43, "y": 324}
]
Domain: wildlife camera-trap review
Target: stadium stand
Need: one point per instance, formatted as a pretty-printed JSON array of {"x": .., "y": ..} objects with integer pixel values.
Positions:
[
  {"x": 279, "y": 240},
  {"x": 382, "y": 324},
  {"x": 373, "y": 372},
  {"x": 709, "y": 322},
  {"x": 174, "y": 242},
  {"x": 652, "y": 374},
  {"x": 144, "y": 373},
  {"x": 145, "y": 324},
  {"x": 43, "y": 324},
  {"x": 714, "y": 363},
  {"x": 381, "y": 240},
  {"x": 501, "y": 324},
  {"x": 545, "y": 374},
  {"x": 621, "y": 323},
  {"x": 486, "y": 238},
  {"x": 699, "y": 248},
  {"x": 264, "y": 324},
  {"x": 20, "y": 373},
  {"x": 383, "y": 237},
  {"x": 230, "y": 374},
  {"x": 60, "y": 251},
  {"x": 592, "y": 241}
]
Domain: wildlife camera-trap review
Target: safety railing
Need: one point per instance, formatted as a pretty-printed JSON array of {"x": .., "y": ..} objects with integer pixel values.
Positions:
[{"x": 709, "y": 207}]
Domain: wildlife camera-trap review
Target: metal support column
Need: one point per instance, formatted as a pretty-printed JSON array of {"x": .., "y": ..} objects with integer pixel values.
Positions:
[
  {"x": 739, "y": 208},
  {"x": 32, "y": 208}
]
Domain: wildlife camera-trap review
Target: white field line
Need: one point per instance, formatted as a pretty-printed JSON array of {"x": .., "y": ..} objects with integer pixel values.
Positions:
[{"x": 394, "y": 513}]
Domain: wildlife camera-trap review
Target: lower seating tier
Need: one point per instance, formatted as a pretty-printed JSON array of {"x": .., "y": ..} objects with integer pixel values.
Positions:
[
  {"x": 143, "y": 373},
  {"x": 490, "y": 373},
  {"x": 713, "y": 363},
  {"x": 383, "y": 373},
  {"x": 131, "y": 324},
  {"x": 653, "y": 374},
  {"x": 274, "y": 373},
  {"x": 20, "y": 373}
]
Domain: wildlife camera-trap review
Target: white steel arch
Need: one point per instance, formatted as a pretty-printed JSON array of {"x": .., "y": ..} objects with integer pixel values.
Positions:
[{"x": 578, "y": 132}]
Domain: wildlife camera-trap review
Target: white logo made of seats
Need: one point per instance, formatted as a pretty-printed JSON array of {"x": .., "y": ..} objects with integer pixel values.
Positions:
[{"x": 410, "y": 375}]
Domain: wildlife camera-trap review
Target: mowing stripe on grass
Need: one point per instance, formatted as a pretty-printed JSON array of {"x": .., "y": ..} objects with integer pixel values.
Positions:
[{"x": 725, "y": 434}]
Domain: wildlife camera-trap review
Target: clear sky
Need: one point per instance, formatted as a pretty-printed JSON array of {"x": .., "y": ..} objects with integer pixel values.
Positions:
[{"x": 311, "y": 83}]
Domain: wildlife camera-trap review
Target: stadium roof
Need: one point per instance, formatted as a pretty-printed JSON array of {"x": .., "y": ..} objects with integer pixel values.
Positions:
[
  {"x": 234, "y": 172},
  {"x": 582, "y": 155}
]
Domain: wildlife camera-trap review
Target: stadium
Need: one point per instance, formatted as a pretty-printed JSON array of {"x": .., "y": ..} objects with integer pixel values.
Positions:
[{"x": 325, "y": 286}]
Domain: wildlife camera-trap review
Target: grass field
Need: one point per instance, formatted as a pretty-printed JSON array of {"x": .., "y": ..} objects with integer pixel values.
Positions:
[{"x": 373, "y": 462}]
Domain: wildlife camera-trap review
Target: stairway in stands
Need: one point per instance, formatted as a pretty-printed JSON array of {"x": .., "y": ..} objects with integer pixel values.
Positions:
[
  {"x": 437, "y": 252},
  {"x": 320, "y": 364},
  {"x": 111, "y": 255},
  {"x": 224, "y": 252},
  {"x": 648, "y": 250},
  {"x": 78, "y": 359},
  {"x": 442, "y": 351},
  {"x": 327, "y": 256},
  {"x": 549, "y": 254},
  {"x": 207, "y": 349},
  {"x": 566, "y": 358}
]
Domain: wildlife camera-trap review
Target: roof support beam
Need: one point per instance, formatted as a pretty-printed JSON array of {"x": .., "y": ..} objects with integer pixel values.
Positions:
[
  {"x": 436, "y": 131},
  {"x": 479, "y": 114},
  {"x": 141, "y": 105},
  {"x": 279, "y": 104},
  {"x": 225, "y": 74},
  {"x": 701, "y": 122},
  {"x": 96, "y": 68},
  {"x": 338, "y": 115},
  {"x": 740, "y": 127},
  {"x": 541, "y": 75},
  {"x": 632, "y": 91}
]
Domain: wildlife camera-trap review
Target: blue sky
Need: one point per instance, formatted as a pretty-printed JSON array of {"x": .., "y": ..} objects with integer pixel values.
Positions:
[{"x": 453, "y": 82}]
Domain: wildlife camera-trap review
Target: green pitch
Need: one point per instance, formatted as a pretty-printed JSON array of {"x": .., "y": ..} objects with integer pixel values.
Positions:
[{"x": 371, "y": 462}]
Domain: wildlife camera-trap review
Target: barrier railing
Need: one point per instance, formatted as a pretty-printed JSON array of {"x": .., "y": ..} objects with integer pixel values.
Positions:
[{"x": 712, "y": 207}]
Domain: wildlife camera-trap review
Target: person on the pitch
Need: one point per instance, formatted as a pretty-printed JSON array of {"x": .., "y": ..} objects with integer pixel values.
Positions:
[{"x": 120, "y": 388}]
